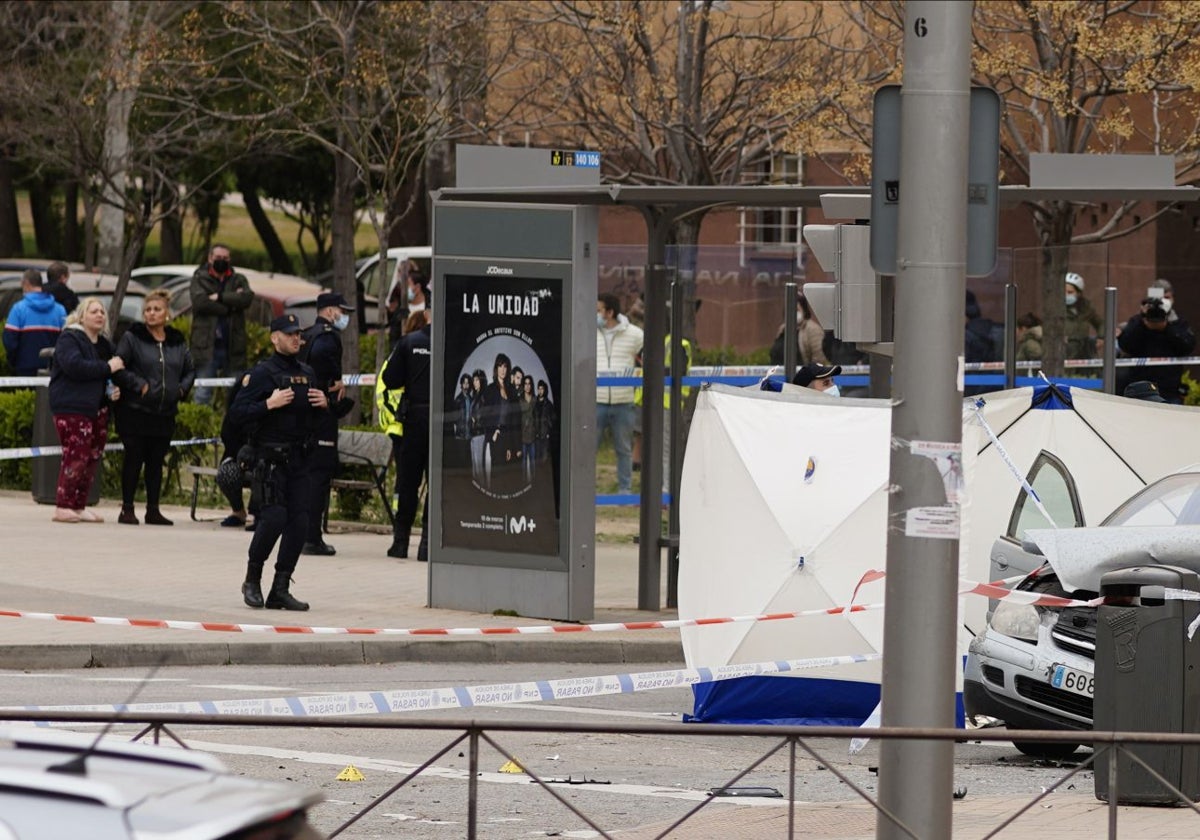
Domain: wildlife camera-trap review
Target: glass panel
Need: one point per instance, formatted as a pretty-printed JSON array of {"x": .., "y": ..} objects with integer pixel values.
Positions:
[
  {"x": 1172, "y": 501},
  {"x": 1056, "y": 489}
]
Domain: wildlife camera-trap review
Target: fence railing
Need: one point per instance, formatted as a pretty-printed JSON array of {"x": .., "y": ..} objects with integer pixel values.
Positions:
[{"x": 790, "y": 740}]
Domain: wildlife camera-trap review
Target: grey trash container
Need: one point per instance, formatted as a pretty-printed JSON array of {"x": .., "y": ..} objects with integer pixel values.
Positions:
[
  {"x": 45, "y": 467},
  {"x": 1147, "y": 680}
]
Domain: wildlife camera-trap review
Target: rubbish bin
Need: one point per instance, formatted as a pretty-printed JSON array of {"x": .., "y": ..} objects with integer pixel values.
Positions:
[
  {"x": 45, "y": 467},
  {"x": 1147, "y": 680}
]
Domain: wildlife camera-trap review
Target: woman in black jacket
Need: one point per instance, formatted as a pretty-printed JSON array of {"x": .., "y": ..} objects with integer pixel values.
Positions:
[
  {"x": 79, "y": 399},
  {"x": 158, "y": 374}
]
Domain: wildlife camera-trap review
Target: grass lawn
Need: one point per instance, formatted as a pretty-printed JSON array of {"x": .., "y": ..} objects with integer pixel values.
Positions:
[{"x": 235, "y": 230}]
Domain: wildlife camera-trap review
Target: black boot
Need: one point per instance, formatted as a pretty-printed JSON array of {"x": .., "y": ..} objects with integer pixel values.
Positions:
[
  {"x": 154, "y": 517},
  {"x": 399, "y": 546},
  {"x": 280, "y": 599},
  {"x": 252, "y": 586},
  {"x": 319, "y": 548},
  {"x": 423, "y": 548},
  {"x": 127, "y": 516}
]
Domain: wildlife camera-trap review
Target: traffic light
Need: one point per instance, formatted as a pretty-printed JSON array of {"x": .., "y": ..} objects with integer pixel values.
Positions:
[{"x": 852, "y": 304}]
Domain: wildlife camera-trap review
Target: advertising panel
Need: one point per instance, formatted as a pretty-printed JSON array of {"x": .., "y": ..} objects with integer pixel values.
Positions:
[{"x": 501, "y": 437}]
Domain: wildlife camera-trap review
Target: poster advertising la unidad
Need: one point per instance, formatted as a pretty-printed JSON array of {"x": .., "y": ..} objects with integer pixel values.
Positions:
[{"x": 500, "y": 463}]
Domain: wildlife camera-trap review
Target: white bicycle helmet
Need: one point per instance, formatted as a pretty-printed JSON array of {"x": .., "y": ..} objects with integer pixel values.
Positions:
[{"x": 1075, "y": 280}]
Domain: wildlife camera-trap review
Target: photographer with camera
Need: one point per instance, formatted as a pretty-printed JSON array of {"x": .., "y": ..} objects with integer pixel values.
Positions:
[{"x": 1157, "y": 331}]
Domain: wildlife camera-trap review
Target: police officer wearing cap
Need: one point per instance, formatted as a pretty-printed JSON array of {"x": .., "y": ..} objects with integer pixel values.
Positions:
[
  {"x": 322, "y": 350},
  {"x": 281, "y": 409}
]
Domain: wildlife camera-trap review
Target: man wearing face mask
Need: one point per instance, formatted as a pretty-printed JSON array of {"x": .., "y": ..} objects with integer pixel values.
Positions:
[
  {"x": 220, "y": 298},
  {"x": 322, "y": 350},
  {"x": 819, "y": 378},
  {"x": 1083, "y": 327},
  {"x": 1158, "y": 331}
]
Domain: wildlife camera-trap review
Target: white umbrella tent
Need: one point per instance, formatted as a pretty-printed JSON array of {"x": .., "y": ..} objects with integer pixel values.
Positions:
[{"x": 784, "y": 509}]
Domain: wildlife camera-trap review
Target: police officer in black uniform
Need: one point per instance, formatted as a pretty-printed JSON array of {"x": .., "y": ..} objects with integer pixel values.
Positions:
[
  {"x": 408, "y": 368},
  {"x": 281, "y": 410},
  {"x": 322, "y": 351}
]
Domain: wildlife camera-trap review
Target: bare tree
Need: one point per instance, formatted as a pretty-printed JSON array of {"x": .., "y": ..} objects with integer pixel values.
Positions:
[
  {"x": 691, "y": 93},
  {"x": 96, "y": 93},
  {"x": 1074, "y": 77}
]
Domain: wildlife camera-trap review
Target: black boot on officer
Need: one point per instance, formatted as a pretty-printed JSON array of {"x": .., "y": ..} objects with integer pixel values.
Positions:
[
  {"x": 252, "y": 586},
  {"x": 279, "y": 598}
]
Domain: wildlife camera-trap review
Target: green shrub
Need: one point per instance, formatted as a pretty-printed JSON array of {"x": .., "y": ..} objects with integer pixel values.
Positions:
[{"x": 16, "y": 430}]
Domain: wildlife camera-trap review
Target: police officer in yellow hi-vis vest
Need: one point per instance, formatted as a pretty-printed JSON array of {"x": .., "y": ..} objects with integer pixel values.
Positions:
[
  {"x": 685, "y": 392},
  {"x": 387, "y": 404}
]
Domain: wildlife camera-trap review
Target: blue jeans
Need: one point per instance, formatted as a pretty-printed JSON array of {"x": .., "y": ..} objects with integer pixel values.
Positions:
[
  {"x": 619, "y": 418},
  {"x": 218, "y": 364}
]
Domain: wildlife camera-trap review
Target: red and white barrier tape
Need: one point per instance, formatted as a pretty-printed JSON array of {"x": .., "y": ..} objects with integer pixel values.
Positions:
[{"x": 987, "y": 590}]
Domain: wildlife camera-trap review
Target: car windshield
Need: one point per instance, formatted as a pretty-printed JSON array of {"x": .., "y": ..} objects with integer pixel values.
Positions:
[{"x": 1174, "y": 500}]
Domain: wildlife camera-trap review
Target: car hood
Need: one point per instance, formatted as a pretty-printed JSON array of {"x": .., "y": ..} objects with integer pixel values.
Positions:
[{"x": 1081, "y": 556}]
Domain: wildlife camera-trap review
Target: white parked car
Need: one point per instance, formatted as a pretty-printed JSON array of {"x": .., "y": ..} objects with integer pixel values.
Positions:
[
  {"x": 66, "y": 784},
  {"x": 1032, "y": 667}
]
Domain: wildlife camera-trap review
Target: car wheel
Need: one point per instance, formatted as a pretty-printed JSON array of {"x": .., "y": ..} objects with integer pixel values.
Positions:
[{"x": 1045, "y": 749}]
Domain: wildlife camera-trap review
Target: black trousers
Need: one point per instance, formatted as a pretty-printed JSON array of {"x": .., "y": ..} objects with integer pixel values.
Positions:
[
  {"x": 322, "y": 464},
  {"x": 143, "y": 451},
  {"x": 414, "y": 464},
  {"x": 284, "y": 515}
]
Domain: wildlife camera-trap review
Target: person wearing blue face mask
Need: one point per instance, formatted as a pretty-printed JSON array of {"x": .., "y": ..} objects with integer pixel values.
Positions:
[
  {"x": 322, "y": 350},
  {"x": 819, "y": 378}
]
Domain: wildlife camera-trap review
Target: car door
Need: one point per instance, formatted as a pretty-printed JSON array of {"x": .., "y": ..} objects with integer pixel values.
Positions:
[{"x": 1055, "y": 488}]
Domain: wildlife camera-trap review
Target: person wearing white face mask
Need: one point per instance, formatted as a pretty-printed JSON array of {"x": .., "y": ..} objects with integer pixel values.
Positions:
[
  {"x": 322, "y": 350},
  {"x": 618, "y": 344},
  {"x": 819, "y": 377},
  {"x": 1156, "y": 330},
  {"x": 1083, "y": 327}
]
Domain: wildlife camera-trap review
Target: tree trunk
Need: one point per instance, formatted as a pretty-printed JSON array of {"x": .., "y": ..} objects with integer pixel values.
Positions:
[
  {"x": 89, "y": 230},
  {"x": 343, "y": 259},
  {"x": 170, "y": 243},
  {"x": 1054, "y": 231},
  {"x": 45, "y": 225},
  {"x": 70, "y": 237},
  {"x": 280, "y": 261},
  {"x": 10, "y": 223},
  {"x": 686, "y": 237},
  {"x": 116, "y": 139}
]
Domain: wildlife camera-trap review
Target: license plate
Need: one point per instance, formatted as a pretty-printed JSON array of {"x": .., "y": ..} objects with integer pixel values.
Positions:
[{"x": 1077, "y": 682}]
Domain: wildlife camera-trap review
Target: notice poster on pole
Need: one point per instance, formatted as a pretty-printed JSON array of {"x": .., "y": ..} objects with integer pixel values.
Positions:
[{"x": 501, "y": 430}]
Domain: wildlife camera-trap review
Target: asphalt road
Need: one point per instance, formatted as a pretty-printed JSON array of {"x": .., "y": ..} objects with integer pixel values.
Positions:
[{"x": 620, "y": 781}]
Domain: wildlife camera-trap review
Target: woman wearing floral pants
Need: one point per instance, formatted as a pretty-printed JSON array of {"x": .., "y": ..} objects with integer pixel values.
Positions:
[{"x": 83, "y": 362}]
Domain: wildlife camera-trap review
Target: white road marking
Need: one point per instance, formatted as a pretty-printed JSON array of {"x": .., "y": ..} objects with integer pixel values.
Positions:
[{"x": 247, "y": 687}]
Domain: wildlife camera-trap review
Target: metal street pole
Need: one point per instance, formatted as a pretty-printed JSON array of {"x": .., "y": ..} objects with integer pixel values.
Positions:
[{"x": 921, "y": 615}]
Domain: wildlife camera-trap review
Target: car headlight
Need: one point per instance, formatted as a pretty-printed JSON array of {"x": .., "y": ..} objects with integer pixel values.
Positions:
[{"x": 1021, "y": 621}]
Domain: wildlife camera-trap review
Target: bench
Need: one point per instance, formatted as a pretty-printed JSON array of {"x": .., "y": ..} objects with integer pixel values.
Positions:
[
  {"x": 355, "y": 448},
  {"x": 372, "y": 450}
]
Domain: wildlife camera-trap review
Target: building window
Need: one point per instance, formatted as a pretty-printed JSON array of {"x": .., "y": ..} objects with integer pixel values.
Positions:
[{"x": 772, "y": 227}]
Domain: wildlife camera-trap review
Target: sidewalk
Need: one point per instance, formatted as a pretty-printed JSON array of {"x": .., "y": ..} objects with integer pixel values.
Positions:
[{"x": 193, "y": 572}]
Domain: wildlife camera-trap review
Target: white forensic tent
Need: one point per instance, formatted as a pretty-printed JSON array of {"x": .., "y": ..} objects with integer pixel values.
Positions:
[{"x": 784, "y": 509}]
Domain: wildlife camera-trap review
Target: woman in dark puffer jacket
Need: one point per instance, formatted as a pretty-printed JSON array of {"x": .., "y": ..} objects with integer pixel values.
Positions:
[
  {"x": 79, "y": 400},
  {"x": 158, "y": 374}
]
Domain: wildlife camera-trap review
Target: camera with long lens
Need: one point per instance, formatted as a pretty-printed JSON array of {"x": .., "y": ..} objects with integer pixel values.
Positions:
[{"x": 1153, "y": 310}]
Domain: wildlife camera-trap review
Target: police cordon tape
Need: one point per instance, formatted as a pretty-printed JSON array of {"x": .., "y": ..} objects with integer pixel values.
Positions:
[
  {"x": 729, "y": 374},
  {"x": 466, "y": 697},
  {"x": 966, "y": 587},
  {"x": 46, "y": 451}
]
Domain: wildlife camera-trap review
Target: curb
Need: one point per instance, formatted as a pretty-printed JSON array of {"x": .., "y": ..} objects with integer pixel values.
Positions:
[{"x": 339, "y": 652}]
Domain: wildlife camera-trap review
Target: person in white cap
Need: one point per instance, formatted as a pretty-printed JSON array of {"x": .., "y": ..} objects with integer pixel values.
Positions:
[{"x": 1083, "y": 324}]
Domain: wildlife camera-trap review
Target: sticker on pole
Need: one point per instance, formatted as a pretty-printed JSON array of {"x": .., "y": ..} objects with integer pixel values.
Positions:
[{"x": 935, "y": 523}]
